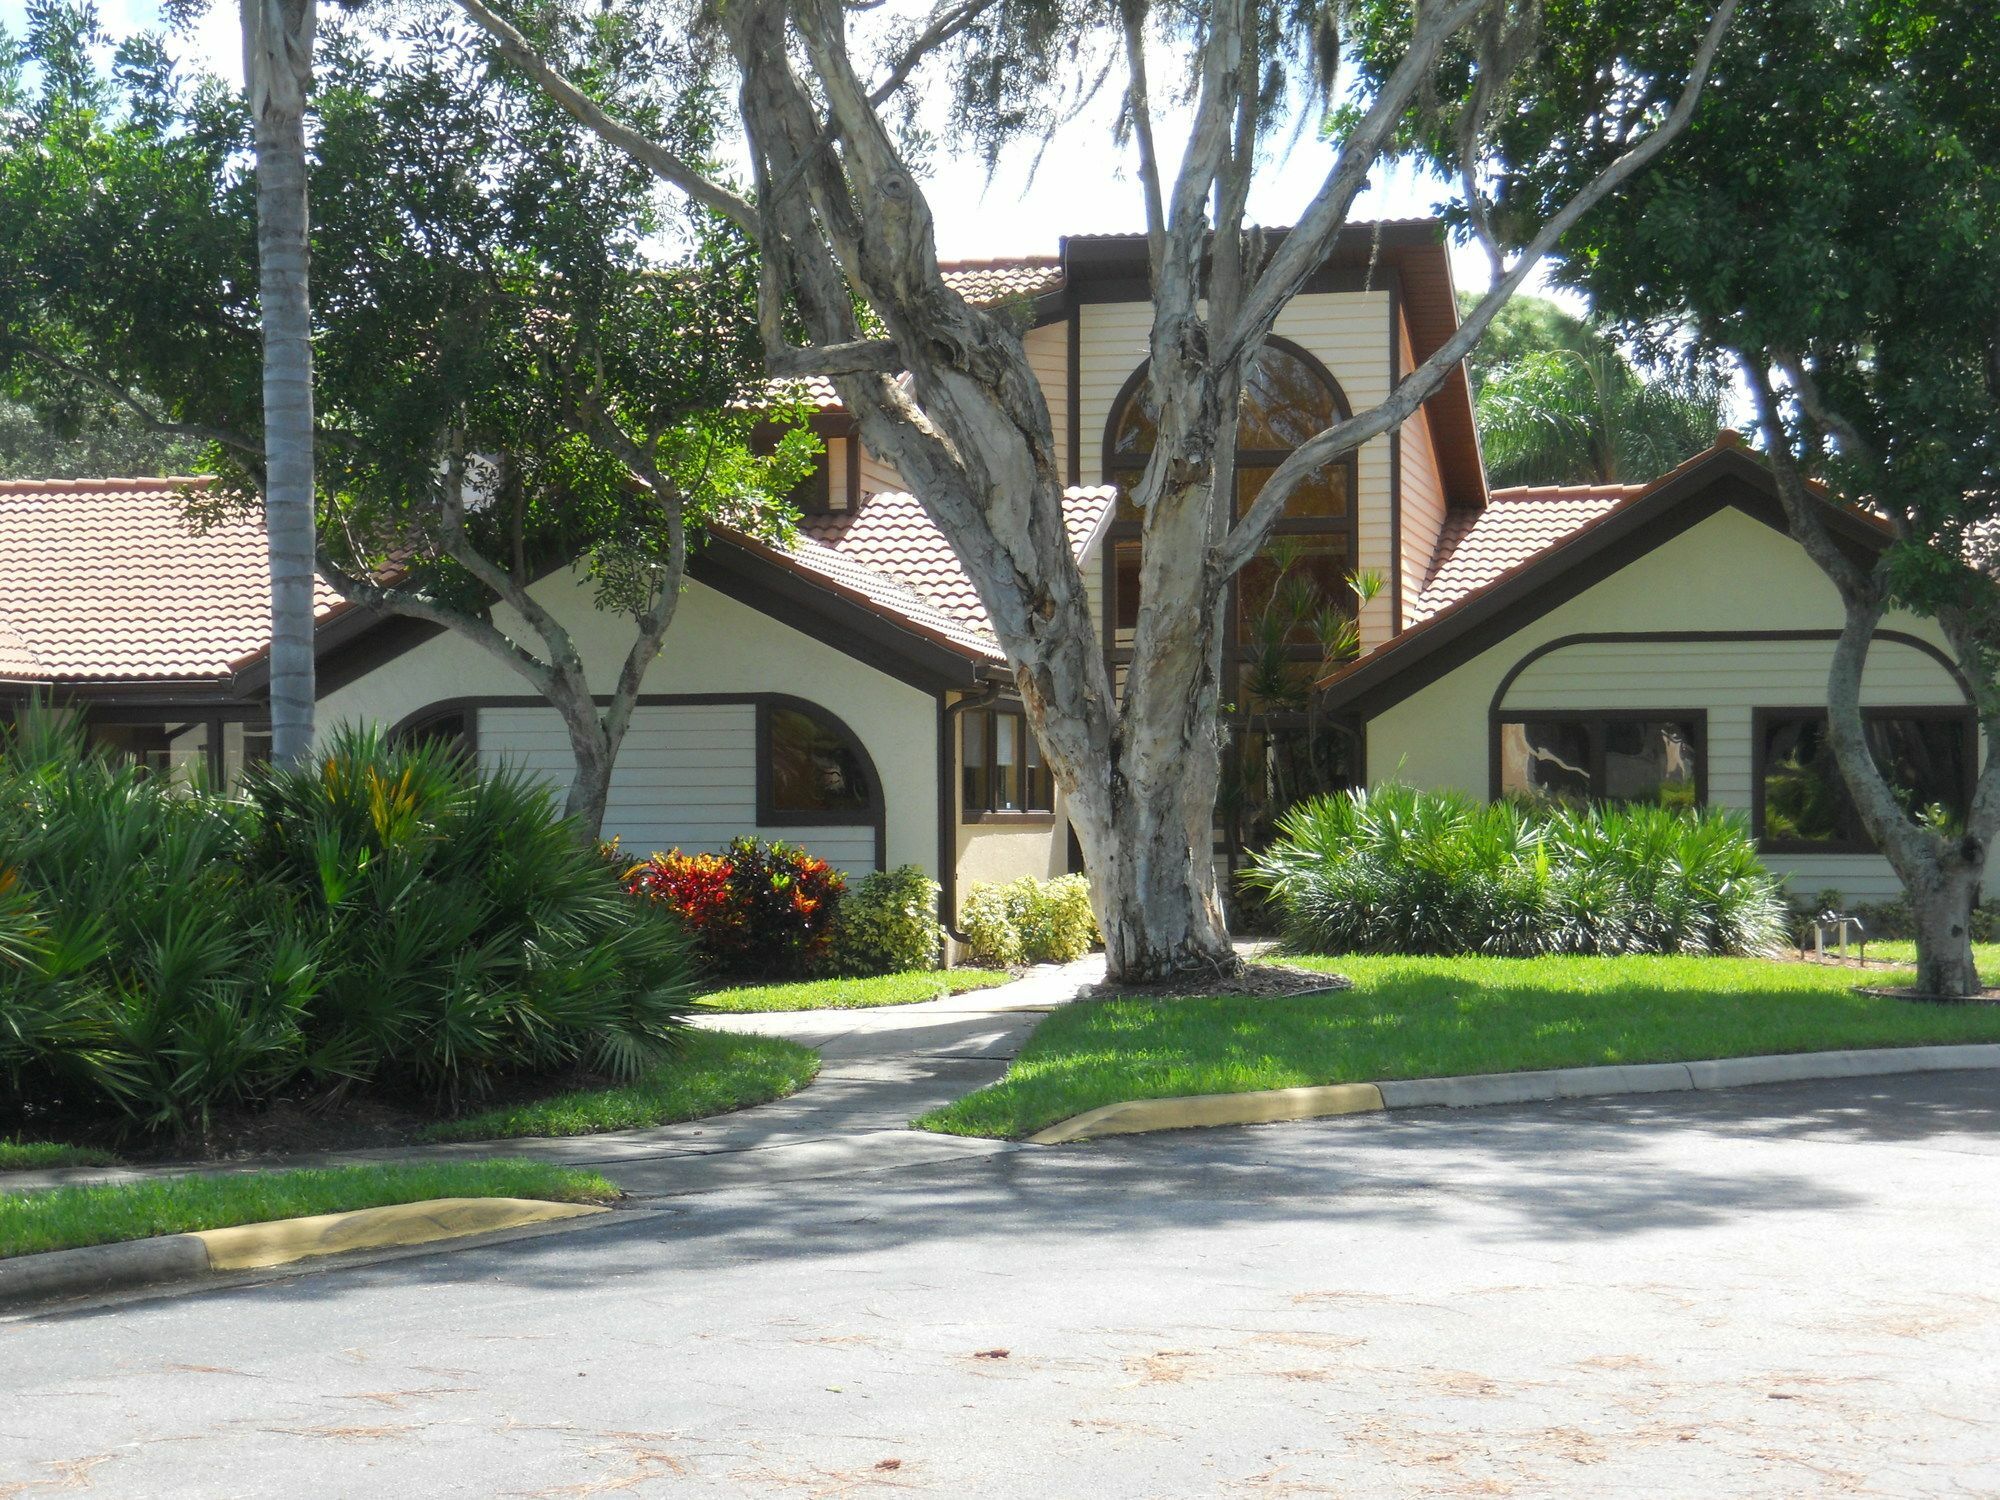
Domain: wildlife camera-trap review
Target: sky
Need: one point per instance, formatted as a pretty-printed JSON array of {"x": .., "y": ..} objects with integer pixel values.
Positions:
[{"x": 1083, "y": 184}]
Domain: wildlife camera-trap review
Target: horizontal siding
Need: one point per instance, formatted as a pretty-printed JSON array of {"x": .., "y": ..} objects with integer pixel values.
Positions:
[
  {"x": 878, "y": 475},
  {"x": 1048, "y": 357},
  {"x": 1422, "y": 493},
  {"x": 686, "y": 778}
]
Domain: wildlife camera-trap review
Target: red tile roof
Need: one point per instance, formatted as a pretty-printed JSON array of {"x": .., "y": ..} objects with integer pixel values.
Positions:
[
  {"x": 1477, "y": 546},
  {"x": 985, "y": 282},
  {"x": 890, "y": 535},
  {"x": 101, "y": 580}
]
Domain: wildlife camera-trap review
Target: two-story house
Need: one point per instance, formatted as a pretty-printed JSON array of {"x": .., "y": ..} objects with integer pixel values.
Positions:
[{"x": 1659, "y": 641}]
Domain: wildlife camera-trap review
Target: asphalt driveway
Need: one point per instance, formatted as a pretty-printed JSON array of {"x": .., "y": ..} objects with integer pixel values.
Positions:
[{"x": 1780, "y": 1291}]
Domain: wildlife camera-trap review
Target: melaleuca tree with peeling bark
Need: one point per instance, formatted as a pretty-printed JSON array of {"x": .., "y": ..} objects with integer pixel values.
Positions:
[
  {"x": 848, "y": 247},
  {"x": 527, "y": 358},
  {"x": 1832, "y": 223}
]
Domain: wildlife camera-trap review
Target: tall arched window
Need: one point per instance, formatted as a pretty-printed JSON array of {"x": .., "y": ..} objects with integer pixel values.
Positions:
[{"x": 1275, "y": 625}]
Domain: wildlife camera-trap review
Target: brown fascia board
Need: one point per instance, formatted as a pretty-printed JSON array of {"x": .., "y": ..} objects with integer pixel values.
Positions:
[{"x": 1721, "y": 477}]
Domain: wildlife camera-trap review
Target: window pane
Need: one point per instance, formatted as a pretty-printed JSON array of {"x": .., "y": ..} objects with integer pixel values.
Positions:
[
  {"x": 1284, "y": 402},
  {"x": 1548, "y": 758},
  {"x": 1007, "y": 762},
  {"x": 975, "y": 785},
  {"x": 812, "y": 768},
  {"x": 1124, "y": 593},
  {"x": 1650, "y": 761},
  {"x": 1323, "y": 497},
  {"x": 1041, "y": 788},
  {"x": 1924, "y": 760},
  {"x": 1284, "y": 595},
  {"x": 1805, "y": 800},
  {"x": 1134, "y": 430}
]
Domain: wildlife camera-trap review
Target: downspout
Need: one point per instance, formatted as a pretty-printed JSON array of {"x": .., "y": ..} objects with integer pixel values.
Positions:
[{"x": 948, "y": 805}]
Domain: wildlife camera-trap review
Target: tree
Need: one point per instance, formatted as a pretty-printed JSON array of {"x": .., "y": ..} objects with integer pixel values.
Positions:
[
  {"x": 277, "y": 76},
  {"x": 1831, "y": 224},
  {"x": 85, "y": 447},
  {"x": 945, "y": 391},
  {"x": 1559, "y": 402},
  {"x": 515, "y": 373}
]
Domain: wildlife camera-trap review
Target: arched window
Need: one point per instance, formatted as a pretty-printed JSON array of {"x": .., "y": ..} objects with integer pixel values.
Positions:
[
  {"x": 810, "y": 768},
  {"x": 1287, "y": 398}
]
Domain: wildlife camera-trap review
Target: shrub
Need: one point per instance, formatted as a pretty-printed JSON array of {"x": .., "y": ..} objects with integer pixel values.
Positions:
[
  {"x": 464, "y": 932},
  {"x": 1395, "y": 870},
  {"x": 380, "y": 918},
  {"x": 888, "y": 923},
  {"x": 755, "y": 909},
  {"x": 1030, "y": 920}
]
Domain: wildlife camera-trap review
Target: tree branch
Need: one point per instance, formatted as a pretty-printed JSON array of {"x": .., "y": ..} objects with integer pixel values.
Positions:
[
  {"x": 1248, "y": 536},
  {"x": 1802, "y": 508},
  {"x": 416, "y": 607},
  {"x": 106, "y": 386},
  {"x": 649, "y": 153}
]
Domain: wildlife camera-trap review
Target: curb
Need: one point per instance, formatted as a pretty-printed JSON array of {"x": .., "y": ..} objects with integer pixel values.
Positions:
[
  {"x": 96, "y": 1269},
  {"x": 1270, "y": 1106}
]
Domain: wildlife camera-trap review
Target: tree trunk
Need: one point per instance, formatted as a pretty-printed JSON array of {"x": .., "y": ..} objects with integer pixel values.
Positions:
[
  {"x": 1153, "y": 859},
  {"x": 277, "y": 43},
  {"x": 1942, "y": 899},
  {"x": 595, "y": 755}
]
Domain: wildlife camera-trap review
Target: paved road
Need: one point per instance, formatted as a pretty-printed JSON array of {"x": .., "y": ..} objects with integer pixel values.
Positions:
[{"x": 1783, "y": 1291}]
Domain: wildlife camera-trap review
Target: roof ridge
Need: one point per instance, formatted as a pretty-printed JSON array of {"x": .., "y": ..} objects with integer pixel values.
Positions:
[
  {"x": 994, "y": 262},
  {"x": 107, "y": 482}
]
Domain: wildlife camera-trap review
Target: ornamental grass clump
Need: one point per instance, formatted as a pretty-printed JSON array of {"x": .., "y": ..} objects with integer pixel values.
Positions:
[{"x": 1396, "y": 870}]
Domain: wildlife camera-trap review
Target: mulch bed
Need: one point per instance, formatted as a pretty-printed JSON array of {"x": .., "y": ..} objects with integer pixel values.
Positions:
[
  {"x": 1255, "y": 981},
  {"x": 1881, "y": 992}
]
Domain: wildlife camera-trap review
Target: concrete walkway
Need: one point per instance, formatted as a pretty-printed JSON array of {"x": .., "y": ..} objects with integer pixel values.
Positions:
[{"x": 881, "y": 1068}]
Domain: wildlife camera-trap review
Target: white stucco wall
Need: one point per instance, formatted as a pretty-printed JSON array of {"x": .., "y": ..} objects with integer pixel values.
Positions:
[
  {"x": 715, "y": 646},
  {"x": 1730, "y": 572}
]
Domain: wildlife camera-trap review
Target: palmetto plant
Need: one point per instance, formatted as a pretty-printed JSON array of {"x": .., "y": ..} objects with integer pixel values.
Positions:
[
  {"x": 1396, "y": 870},
  {"x": 380, "y": 918}
]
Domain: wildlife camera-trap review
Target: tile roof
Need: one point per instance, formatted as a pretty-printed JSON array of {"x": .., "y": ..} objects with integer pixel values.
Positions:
[
  {"x": 891, "y": 536},
  {"x": 101, "y": 580},
  {"x": 1477, "y": 546},
  {"x": 985, "y": 282}
]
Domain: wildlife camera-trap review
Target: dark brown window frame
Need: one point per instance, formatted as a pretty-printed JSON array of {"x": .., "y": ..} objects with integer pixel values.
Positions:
[
  {"x": 877, "y": 819},
  {"x": 1698, "y": 717},
  {"x": 1119, "y": 470},
  {"x": 1020, "y": 817},
  {"x": 1761, "y": 722}
]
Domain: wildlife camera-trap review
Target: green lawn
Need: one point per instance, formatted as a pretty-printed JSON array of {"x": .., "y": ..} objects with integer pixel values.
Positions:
[
  {"x": 63, "y": 1218},
  {"x": 1427, "y": 1017},
  {"x": 1986, "y": 955},
  {"x": 847, "y": 994},
  {"x": 24, "y": 1156},
  {"x": 713, "y": 1073}
]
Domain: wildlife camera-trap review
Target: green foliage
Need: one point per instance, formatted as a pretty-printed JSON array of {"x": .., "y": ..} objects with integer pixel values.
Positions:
[
  {"x": 488, "y": 279},
  {"x": 911, "y": 987},
  {"x": 1030, "y": 921},
  {"x": 463, "y": 932},
  {"x": 1560, "y": 403},
  {"x": 1395, "y": 870},
  {"x": 382, "y": 918},
  {"x": 53, "y": 447},
  {"x": 888, "y": 923}
]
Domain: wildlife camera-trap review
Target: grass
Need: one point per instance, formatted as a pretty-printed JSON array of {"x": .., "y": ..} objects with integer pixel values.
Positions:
[
  {"x": 1426, "y": 1017},
  {"x": 27, "y": 1156},
  {"x": 1985, "y": 955},
  {"x": 907, "y": 988},
  {"x": 66, "y": 1217},
  {"x": 713, "y": 1073}
]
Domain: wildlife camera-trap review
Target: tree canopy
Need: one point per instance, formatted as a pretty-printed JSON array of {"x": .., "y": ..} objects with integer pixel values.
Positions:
[{"x": 1560, "y": 402}]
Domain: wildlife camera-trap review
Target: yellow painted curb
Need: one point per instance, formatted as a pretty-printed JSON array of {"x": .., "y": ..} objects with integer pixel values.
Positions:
[
  {"x": 247, "y": 1247},
  {"x": 1266, "y": 1106}
]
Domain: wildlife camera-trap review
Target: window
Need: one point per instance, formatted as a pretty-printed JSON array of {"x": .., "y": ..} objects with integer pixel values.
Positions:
[
  {"x": 810, "y": 772},
  {"x": 1001, "y": 767},
  {"x": 1285, "y": 596},
  {"x": 1802, "y": 803},
  {"x": 452, "y": 730},
  {"x": 1643, "y": 756}
]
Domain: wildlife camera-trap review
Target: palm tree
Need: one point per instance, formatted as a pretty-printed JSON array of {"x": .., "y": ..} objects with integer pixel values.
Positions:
[
  {"x": 277, "y": 72},
  {"x": 1560, "y": 403}
]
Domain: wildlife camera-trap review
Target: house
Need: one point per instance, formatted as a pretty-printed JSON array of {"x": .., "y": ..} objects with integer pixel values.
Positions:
[{"x": 1659, "y": 641}]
